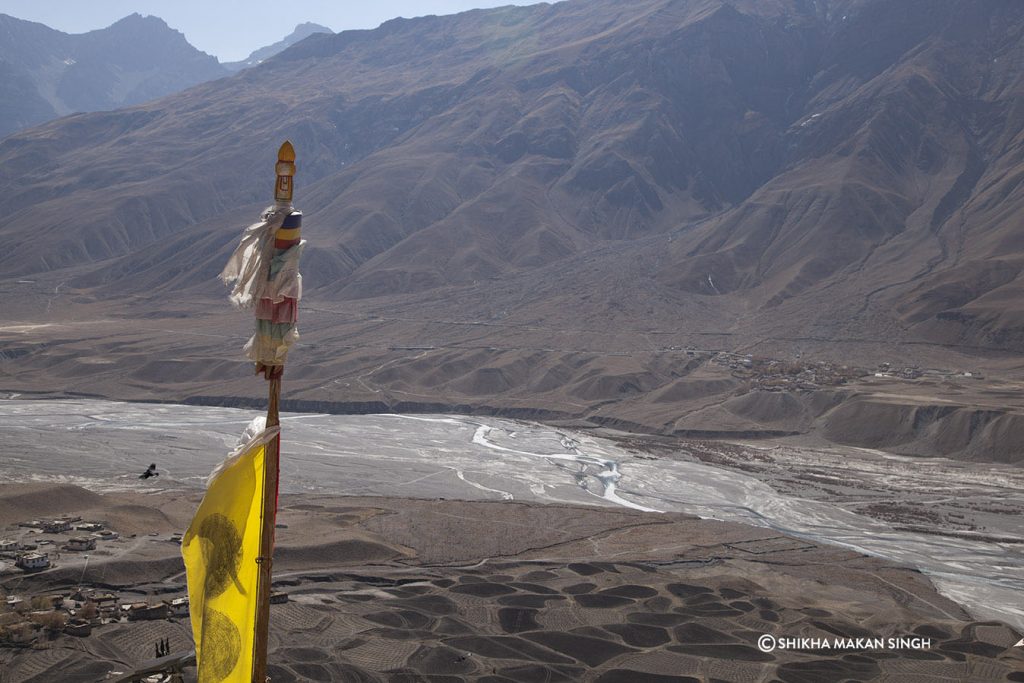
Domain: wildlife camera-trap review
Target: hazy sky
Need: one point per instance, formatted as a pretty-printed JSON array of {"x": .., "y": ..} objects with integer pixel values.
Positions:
[{"x": 231, "y": 29}]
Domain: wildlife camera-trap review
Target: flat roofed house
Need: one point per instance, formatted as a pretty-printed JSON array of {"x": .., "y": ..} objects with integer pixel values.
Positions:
[
  {"x": 102, "y": 599},
  {"x": 146, "y": 612},
  {"x": 179, "y": 607},
  {"x": 56, "y": 526},
  {"x": 32, "y": 561},
  {"x": 82, "y": 543},
  {"x": 7, "y": 545}
]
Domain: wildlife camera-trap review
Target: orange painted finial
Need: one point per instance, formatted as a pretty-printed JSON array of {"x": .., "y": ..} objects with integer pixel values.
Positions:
[
  {"x": 287, "y": 152},
  {"x": 285, "y": 172}
]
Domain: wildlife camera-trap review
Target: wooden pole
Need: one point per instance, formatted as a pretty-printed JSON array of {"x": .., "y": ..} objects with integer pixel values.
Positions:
[
  {"x": 283, "y": 188},
  {"x": 269, "y": 517}
]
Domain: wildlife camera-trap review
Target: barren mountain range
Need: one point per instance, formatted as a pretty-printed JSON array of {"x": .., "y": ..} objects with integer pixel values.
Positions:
[
  {"x": 536, "y": 210},
  {"x": 46, "y": 73}
]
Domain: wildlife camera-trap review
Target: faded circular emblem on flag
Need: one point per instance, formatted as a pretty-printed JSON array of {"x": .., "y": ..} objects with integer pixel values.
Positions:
[
  {"x": 222, "y": 554},
  {"x": 222, "y": 646}
]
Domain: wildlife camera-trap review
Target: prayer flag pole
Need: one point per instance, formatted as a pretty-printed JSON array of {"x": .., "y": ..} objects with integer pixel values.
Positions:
[
  {"x": 228, "y": 548},
  {"x": 272, "y": 315},
  {"x": 266, "y": 558}
]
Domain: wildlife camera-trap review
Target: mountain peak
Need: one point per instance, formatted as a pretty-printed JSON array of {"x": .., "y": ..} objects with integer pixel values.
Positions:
[
  {"x": 308, "y": 28},
  {"x": 48, "y": 73},
  {"x": 301, "y": 32},
  {"x": 135, "y": 19}
]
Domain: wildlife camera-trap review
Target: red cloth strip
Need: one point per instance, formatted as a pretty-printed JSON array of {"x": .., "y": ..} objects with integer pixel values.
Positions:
[{"x": 285, "y": 311}]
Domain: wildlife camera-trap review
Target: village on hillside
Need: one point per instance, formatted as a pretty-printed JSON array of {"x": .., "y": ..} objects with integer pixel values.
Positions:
[
  {"x": 44, "y": 545},
  {"x": 40, "y": 545}
]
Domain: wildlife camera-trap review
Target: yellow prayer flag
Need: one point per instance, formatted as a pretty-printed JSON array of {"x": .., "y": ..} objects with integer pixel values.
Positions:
[{"x": 220, "y": 550}]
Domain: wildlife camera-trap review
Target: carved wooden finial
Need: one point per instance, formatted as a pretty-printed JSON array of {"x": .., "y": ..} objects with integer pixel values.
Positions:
[{"x": 285, "y": 173}]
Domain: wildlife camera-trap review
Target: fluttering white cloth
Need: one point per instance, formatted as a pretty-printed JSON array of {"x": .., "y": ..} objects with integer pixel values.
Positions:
[{"x": 249, "y": 266}]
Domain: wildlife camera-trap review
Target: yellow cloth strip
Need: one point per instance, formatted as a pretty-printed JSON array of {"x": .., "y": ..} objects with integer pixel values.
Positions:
[
  {"x": 220, "y": 550},
  {"x": 288, "y": 234}
]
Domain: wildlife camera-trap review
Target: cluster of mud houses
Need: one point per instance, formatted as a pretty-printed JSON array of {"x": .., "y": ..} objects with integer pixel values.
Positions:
[
  {"x": 27, "y": 552},
  {"x": 22, "y": 621},
  {"x": 165, "y": 609},
  {"x": 24, "y": 554}
]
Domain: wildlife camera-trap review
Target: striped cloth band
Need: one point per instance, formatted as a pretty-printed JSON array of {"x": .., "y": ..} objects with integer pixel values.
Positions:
[
  {"x": 275, "y": 331},
  {"x": 286, "y": 311},
  {"x": 287, "y": 235}
]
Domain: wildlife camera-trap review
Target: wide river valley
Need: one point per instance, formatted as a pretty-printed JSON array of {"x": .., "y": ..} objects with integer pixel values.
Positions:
[{"x": 957, "y": 522}]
